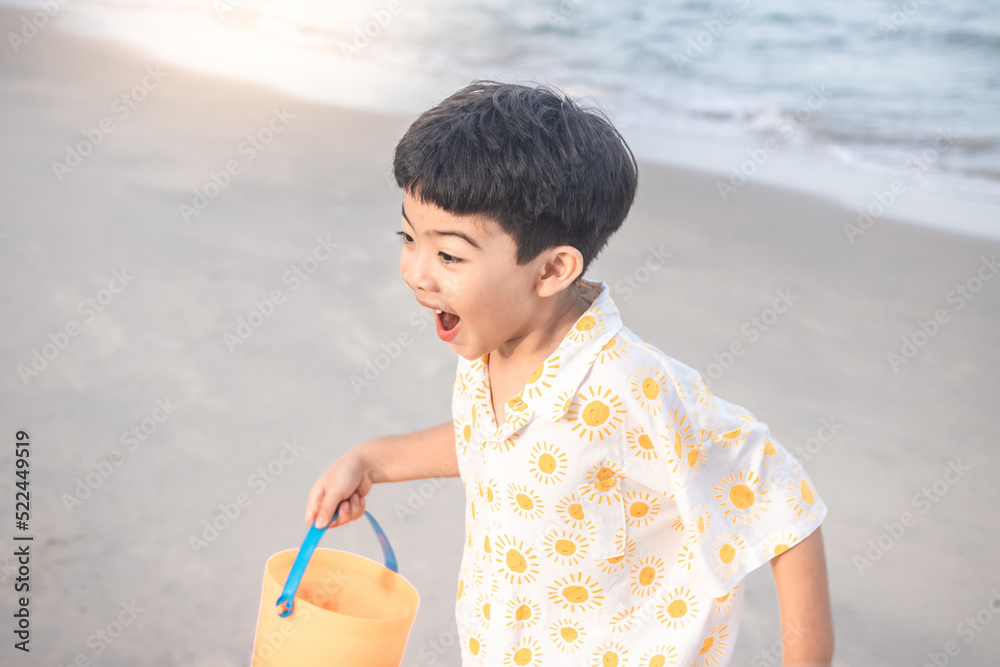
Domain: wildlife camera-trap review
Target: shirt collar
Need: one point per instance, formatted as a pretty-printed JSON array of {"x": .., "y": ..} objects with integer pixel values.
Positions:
[{"x": 551, "y": 388}]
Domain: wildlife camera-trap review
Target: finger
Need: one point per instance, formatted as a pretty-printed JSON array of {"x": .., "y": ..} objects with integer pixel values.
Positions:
[
  {"x": 313, "y": 503},
  {"x": 344, "y": 512},
  {"x": 316, "y": 491},
  {"x": 326, "y": 510},
  {"x": 352, "y": 505}
]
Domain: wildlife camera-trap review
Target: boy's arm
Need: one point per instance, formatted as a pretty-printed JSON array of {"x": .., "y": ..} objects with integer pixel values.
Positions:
[
  {"x": 804, "y": 598},
  {"x": 427, "y": 453},
  {"x": 393, "y": 458}
]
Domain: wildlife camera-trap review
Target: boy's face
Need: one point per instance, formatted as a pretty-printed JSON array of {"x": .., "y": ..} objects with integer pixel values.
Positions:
[{"x": 466, "y": 267}]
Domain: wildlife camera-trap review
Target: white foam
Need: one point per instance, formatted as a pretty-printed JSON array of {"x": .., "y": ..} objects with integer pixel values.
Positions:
[
  {"x": 824, "y": 177},
  {"x": 299, "y": 52}
]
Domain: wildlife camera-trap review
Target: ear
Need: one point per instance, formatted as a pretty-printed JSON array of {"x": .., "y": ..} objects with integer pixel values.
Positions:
[{"x": 560, "y": 266}]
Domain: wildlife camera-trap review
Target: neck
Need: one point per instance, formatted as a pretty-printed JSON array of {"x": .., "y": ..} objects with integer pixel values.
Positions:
[{"x": 553, "y": 321}]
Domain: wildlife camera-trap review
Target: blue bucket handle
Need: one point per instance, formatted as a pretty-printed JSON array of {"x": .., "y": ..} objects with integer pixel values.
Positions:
[{"x": 286, "y": 600}]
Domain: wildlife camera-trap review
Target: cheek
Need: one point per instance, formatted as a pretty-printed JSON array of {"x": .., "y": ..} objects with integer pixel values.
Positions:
[{"x": 455, "y": 287}]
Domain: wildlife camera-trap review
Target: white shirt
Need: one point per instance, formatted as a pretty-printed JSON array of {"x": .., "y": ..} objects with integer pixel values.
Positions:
[{"x": 612, "y": 516}]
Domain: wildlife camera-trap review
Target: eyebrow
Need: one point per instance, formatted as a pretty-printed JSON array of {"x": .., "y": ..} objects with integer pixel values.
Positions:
[{"x": 445, "y": 232}]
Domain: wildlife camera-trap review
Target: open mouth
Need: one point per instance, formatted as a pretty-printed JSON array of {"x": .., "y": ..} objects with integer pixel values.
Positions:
[{"x": 448, "y": 320}]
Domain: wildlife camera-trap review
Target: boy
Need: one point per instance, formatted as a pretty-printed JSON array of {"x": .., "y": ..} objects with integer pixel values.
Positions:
[{"x": 614, "y": 504}]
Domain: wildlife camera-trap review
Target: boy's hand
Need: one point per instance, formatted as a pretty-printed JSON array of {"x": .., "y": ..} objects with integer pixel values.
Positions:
[
  {"x": 392, "y": 458},
  {"x": 345, "y": 484}
]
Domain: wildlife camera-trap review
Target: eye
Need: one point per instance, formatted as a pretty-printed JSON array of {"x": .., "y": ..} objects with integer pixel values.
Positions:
[{"x": 445, "y": 257}]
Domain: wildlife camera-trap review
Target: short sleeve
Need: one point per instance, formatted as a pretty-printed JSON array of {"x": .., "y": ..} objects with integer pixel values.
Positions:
[{"x": 741, "y": 496}]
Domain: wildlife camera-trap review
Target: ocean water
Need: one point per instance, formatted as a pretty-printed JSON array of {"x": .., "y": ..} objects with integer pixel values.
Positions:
[{"x": 873, "y": 85}]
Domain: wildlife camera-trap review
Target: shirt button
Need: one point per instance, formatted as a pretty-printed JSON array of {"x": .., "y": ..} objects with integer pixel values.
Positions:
[{"x": 495, "y": 523}]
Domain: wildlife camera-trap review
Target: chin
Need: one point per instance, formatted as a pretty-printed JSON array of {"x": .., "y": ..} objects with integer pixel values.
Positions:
[
  {"x": 471, "y": 356},
  {"x": 467, "y": 352}
]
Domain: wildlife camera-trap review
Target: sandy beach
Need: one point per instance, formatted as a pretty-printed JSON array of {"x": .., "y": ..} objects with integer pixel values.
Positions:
[{"x": 202, "y": 309}]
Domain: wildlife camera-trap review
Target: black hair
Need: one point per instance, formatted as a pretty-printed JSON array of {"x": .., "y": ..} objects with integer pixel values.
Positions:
[{"x": 548, "y": 170}]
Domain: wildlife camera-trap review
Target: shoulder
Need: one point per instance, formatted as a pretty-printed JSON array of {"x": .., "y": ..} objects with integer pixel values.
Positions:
[
  {"x": 644, "y": 360},
  {"x": 647, "y": 382},
  {"x": 669, "y": 392}
]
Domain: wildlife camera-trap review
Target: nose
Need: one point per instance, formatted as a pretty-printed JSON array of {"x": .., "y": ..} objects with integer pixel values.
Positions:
[{"x": 414, "y": 267}]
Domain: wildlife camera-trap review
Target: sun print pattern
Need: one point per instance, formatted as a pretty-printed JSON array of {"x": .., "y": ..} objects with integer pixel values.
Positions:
[
  {"x": 641, "y": 508},
  {"x": 602, "y": 484},
  {"x": 570, "y": 510},
  {"x": 542, "y": 379},
  {"x": 647, "y": 385},
  {"x": 587, "y": 327},
  {"x": 526, "y": 652},
  {"x": 525, "y": 502},
  {"x": 518, "y": 562},
  {"x": 647, "y": 575},
  {"x": 677, "y": 608},
  {"x": 576, "y": 593},
  {"x": 741, "y": 497},
  {"x": 595, "y": 413},
  {"x": 565, "y": 547},
  {"x": 641, "y": 445},
  {"x": 548, "y": 463},
  {"x": 567, "y": 634},
  {"x": 612, "y": 350},
  {"x": 803, "y": 497},
  {"x": 612, "y": 447}
]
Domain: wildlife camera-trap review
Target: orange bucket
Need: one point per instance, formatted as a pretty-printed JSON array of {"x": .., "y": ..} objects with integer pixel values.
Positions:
[{"x": 343, "y": 609}]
